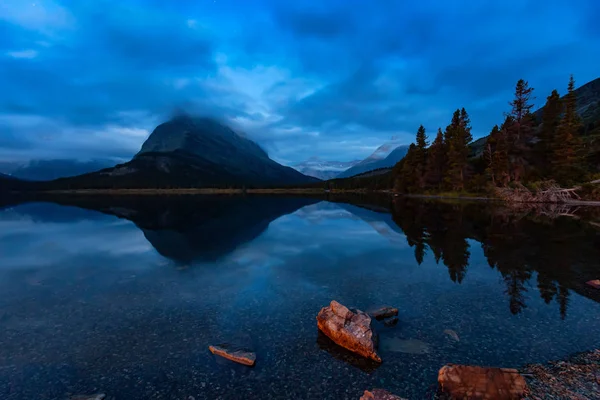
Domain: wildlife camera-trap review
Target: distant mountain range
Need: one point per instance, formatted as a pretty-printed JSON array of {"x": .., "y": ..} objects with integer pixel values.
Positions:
[
  {"x": 47, "y": 170},
  {"x": 386, "y": 156},
  {"x": 192, "y": 152},
  {"x": 324, "y": 170}
]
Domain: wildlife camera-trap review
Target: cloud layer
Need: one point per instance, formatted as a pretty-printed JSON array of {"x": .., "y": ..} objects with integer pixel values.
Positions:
[{"x": 332, "y": 79}]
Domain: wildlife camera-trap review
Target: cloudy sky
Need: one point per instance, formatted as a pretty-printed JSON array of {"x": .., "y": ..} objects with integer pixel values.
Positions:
[{"x": 327, "y": 78}]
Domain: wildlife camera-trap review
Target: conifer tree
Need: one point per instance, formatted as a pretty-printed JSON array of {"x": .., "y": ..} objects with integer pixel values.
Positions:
[
  {"x": 420, "y": 156},
  {"x": 520, "y": 131},
  {"x": 550, "y": 122},
  {"x": 436, "y": 160},
  {"x": 406, "y": 179},
  {"x": 568, "y": 161},
  {"x": 457, "y": 138}
]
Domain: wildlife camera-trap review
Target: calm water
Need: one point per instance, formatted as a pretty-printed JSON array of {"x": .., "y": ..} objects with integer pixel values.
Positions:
[{"x": 124, "y": 296}]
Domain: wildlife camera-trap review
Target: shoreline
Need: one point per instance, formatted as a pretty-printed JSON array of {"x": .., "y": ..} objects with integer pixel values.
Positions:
[
  {"x": 574, "y": 376},
  {"x": 287, "y": 191}
]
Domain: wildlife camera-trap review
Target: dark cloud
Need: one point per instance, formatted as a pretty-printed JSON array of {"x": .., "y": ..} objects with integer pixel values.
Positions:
[{"x": 304, "y": 78}]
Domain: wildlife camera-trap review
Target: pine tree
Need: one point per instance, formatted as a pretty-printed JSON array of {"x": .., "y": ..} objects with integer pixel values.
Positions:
[
  {"x": 520, "y": 131},
  {"x": 500, "y": 163},
  {"x": 420, "y": 156},
  {"x": 406, "y": 178},
  {"x": 488, "y": 153},
  {"x": 436, "y": 160},
  {"x": 496, "y": 156},
  {"x": 568, "y": 160},
  {"x": 550, "y": 122},
  {"x": 457, "y": 138}
]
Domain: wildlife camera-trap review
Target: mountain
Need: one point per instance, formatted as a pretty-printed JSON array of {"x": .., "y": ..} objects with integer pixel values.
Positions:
[
  {"x": 386, "y": 156},
  {"x": 324, "y": 170},
  {"x": 47, "y": 170},
  {"x": 193, "y": 152}
]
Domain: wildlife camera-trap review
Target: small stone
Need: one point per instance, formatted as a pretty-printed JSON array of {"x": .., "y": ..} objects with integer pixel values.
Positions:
[
  {"x": 384, "y": 312},
  {"x": 461, "y": 381},
  {"x": 379, "y": 394},
  {"x": 595, "y": 283},
  {"x": 236, "y": 355}
]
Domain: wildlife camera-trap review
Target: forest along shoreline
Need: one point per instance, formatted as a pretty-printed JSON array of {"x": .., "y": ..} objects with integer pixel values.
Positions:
[{"x": 308, "y": 191}]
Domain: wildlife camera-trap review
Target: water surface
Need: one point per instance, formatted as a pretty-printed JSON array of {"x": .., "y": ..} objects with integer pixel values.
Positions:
[{"x": 123, "y": 296}]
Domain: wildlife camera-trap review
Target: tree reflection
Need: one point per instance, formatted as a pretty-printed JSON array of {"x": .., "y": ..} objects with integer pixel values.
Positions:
[{"x": 560, "y": 249}]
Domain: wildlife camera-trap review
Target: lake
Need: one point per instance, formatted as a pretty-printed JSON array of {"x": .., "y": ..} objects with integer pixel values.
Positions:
[{"x": 124, "y": 295}]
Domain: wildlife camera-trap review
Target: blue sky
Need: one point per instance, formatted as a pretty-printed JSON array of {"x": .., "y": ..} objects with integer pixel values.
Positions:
[{"x": 328, "y": 78}]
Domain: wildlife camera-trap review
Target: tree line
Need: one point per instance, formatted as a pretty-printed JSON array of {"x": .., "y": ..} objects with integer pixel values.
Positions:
[{"x": 525, "y": 149}]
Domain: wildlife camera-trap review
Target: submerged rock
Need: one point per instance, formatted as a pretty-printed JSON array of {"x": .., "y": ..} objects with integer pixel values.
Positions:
[
  {"x": 391, "y": 322},
  {"x": 595, "y": 283},
  {"x": 468, "y": 382},
  {"x": 351, "y": 330},
  {"x": 384, "y": 312},
  {"x": 236, "y": 355},
  {"x": 379, "y": 394},
  {"x": 98, "y": 396},
  {"x": 407, "y": 346}
]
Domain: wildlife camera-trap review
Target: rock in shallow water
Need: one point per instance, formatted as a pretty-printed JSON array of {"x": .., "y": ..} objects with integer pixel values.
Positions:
[
  {"x": 467, "y": 382},
  {"x": 379, "y": 394},
  {"x": 384, "y": 312},
  {"x": 351, "y": 330},
  {"x": 236, "y": 355}
]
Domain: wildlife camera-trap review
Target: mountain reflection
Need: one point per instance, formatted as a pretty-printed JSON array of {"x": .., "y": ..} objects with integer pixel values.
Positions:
[
  {"x": 560, "y": 248},
  {"x": 196, "y": 229}
]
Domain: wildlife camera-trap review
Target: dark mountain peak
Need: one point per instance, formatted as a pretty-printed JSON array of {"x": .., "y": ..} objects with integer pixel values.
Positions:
[{"x": 198, "y": 136}]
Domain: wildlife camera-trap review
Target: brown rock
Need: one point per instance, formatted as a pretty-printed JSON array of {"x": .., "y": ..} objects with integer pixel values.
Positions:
[
  {"x": 351, "y": 330},
  {"x": 384, "y": 312},
  {"x": 379, "y": 394},
  {"x": 478, "y": 383},
  {"x": 595, "y": 283},
  {"x": 236, "y": 355}
]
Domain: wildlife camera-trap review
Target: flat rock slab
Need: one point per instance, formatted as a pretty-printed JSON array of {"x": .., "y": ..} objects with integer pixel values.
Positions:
[
  {"x": 478, "y": 383},
  {"x": 595, "y": 283},
  {"x": 384, "y": 312},
  {"x": 379, "y": 394},
  {"x": 236, "y": 355},
  {"x": 349, "y": 329}
]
